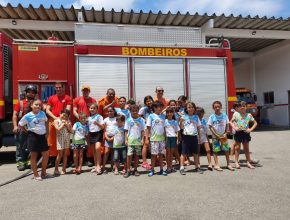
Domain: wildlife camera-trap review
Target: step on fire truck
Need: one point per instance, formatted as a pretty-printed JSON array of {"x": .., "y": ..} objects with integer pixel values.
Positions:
[{"x": 131, "y": 59}]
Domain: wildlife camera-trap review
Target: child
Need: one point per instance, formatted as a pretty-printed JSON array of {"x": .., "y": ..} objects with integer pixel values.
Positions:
[
  {"x": 81, "y": 131},
  {"x": 240, "y": 123},
  {"x": 96, "y": 126},
  {"x": 134, "y": 134},
  {"x": 218, "y": 124},
  {"x": 236, "y": 109},
  {"x": 190, "y": 124},
  {"x": 203, "y": 137},
  {"x": 182, "y": 103},
  {"x": 156, "y": 131},
  {"x": 120, "y": 151},
  {"x": 63, "y": 129},
  {"x": 123, "y": 110},
  {"x": 110, "y": 125},
  {"x": 172, "y": 136},
  {"x": 145, "y": 112},
  {"x": 36, "y": 139}
]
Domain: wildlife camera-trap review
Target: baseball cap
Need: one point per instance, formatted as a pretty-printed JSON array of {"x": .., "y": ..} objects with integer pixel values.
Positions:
[{"x": 86, "y": 87}]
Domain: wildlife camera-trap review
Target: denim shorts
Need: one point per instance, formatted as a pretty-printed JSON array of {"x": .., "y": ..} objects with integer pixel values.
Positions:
[
  {"x": 171, "y": 142},
  {"x": 189, "y": 145},
  {"x": 120, "y": 154},
  {"x": 242, "y": 137}
]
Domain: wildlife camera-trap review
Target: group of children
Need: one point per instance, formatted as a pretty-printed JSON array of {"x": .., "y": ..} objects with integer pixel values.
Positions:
[{"x": 130, "y": 131}]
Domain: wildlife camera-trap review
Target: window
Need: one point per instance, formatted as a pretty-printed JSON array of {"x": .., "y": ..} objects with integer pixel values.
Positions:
[{"x": 268, "y": 98}]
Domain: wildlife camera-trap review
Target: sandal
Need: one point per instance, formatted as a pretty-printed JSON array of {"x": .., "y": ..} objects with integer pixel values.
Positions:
[
  {"x": 237, "y": 166},
  {"x": 99, "y": 172},
  {"x": 56, "y": 173},
  {"x": 218, "y": 169},
  {"x": 37, "y": 178},
  {"x": 210, "y": 168},
  {"x": 94, "y": 170},
  {"x": 146, "y": 166},
  {"x": 122, "y": 172},
  {"x": 230, "y": 168},
  {"x": 250, "y": 166},
  {"x": 116, "y": 172}
]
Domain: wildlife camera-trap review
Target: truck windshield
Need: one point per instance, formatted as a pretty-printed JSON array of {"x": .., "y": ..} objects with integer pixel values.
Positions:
[{"x": 246, "y": 97}]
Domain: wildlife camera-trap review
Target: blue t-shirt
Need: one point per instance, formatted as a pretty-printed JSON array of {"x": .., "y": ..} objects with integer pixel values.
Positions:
[
  {"x": 135, "y": 128},
  {"x": 157, "y": 127},
  {"x": 190, "y": 124},
  {"x": 119, "y": 137},
  {"x": 80, "y": 132},
  {"x": 171, "y": 128},
  {"x": 35, "y": 122},
  {"x": 218, "y": 122},
  {"x": 124, "y": 112},
  {"x": 144, "y": 112}
]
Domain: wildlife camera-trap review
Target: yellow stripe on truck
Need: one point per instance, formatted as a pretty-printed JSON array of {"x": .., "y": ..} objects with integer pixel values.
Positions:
[
  {"x": 15, "y": 101},
  {"x": 2, "y": 103},
  {"x": 232, "y": 98}
]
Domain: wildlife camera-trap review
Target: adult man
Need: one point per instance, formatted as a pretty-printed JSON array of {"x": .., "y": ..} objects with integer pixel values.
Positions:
[
  {"x": 56, "y": 103},
  {"x": 81, "y": 104},
  {"x": 109, "y": 100},
  {"x": 20, "y": 109},
  {"x": 159, "y": 96}
]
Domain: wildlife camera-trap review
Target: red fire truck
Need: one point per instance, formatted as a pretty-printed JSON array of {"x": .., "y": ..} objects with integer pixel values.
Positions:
[{"x": 131, "y": 59}]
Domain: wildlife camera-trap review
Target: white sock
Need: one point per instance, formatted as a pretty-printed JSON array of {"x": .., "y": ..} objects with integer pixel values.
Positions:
[{"x": 182, "y": 167}]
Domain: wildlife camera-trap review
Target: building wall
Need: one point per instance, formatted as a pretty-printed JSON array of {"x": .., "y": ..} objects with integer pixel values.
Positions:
[
  {"x": 272, "y": 73},
  {"x": 242, "y": 74}
]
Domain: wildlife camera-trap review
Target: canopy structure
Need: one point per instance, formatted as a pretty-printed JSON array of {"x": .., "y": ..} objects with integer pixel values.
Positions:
[{"x": 246, "y": 34}]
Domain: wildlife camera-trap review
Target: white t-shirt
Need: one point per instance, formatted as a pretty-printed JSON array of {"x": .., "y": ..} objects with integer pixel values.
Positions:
[
  {"x": 171, "y": 128},
  {"x": 98, "y": 118},
  {"x": 190, "y": 124},
  {"x": 218, "y": 122},
  {"x": 111, "y": 124},
  {"x": 35, "y": 122}
]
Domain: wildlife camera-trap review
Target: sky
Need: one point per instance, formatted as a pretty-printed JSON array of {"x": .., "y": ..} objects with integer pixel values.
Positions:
[{"x": 269, "y": 8}]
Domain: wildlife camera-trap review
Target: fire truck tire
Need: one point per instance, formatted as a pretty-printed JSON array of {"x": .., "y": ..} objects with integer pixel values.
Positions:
[{"x": 7, "y": 127}]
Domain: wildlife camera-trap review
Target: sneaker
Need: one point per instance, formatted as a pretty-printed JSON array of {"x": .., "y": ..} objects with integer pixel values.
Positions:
[
  {"x": 136, "y": 173},
  {"x": 163, "y": 173},
  {"x": 254, "y": 161},
  {"x": 90, "y": 164},
  {"x": 151, "y": 173},
  {"x": 21, "y": 167},
  {"x": 169, "y": 171},
  {"x": 126, "y": 175},
  {"x": 198, "y": 170},
  {"x": 182, "y": 172}
]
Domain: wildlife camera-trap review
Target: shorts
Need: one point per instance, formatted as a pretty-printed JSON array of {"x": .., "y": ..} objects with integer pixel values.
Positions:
[
  {"x": 134, "y": 148},
  {"x": 203, "y": 139},
  {"x": 108, "y": 143},
  {"x": 157, "y": 147},
  {"x": 96, "y": 137},
  {"x": 36, "y": 143},
  {"x": 120, "y": 155},
  {"x": 242, "y": 137},
  {"x": 217, "y": 146},
  {"x": 171, "y": 142},
  {"x": 189, "y": 145},
  {"x": 78, "y": 146}
]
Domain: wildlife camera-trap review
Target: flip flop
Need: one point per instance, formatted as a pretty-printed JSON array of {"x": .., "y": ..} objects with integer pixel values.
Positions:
[
  {"x": 230, "y": 168},
  {"x": 37, "y": 178},
  {"x": 218, "y": 169}
]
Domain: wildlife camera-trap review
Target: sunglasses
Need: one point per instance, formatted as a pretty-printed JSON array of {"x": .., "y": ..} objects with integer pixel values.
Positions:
[{"x": 160, "y": 90}]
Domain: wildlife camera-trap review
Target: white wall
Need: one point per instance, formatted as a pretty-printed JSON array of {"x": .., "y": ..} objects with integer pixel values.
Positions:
[
  {"x": 272, "y": 73},
  {"x": 242, "y": 69}
]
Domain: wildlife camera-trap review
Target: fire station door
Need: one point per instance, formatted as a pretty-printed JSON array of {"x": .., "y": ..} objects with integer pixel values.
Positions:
[
  {"x": 45, "y": 90},
  {"x": 208, "y": 83},
  {"x": 102, "y": 73},
  {"x": 152, "y": 72}
]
